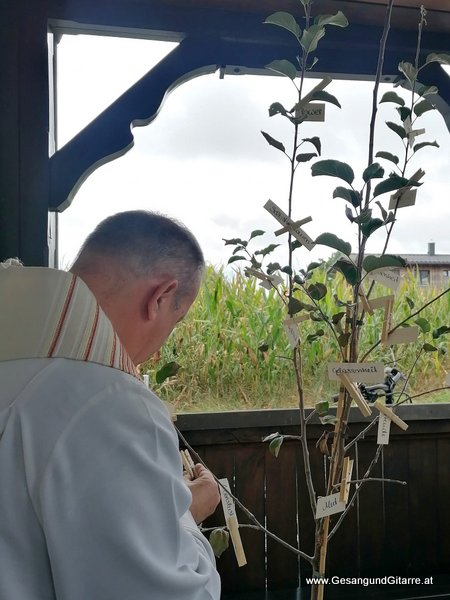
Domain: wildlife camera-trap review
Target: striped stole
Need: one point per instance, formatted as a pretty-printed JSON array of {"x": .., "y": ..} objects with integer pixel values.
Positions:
[{"x": 46, "y": 313}]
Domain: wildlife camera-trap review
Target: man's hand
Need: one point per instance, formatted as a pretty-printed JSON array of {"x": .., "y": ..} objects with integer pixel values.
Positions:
[{"x": 205, "y": 493}]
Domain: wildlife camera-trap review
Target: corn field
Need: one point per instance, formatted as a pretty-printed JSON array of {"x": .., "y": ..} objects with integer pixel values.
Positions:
[{"x": 234, "y": 354}]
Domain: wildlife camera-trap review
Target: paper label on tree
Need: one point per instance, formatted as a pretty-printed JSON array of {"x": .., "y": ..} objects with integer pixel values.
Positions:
[
  {"x": 407, "y": 198},
  {"x": 388, "y": 277},
  {"x": 292, "y": 332},
  {"x": 329, "y": 505},
  {"x": 227, "y": 501},
  {"x": 302, "y": 237},
  {"x": 283, "y": 218},
  {"x": 384, "y": 428},
  {"x": 403, "y": 335},
  {"x": 370, "y": 372},
  {"x": 312, "y": 112}
]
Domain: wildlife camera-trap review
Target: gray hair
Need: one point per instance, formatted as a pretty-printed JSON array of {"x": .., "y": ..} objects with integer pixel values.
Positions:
[{"x": 144, "y": 243}]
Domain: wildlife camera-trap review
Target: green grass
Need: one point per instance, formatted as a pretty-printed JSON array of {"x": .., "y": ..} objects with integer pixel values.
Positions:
[{"x": 217, "y": 346}]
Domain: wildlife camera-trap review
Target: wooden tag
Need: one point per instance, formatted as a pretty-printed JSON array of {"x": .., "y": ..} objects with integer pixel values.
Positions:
[
  {"x": 365, "y": 303},
  {"x": 312, "y": 112},
  {"x": 329, "y": 505},
  {"x": 289, "y": 224},
  {"x": 369, "y": 372},
  {"x": 408, "y": 198},
  {"x": 296, "y": 224},
  {"x": 390, "y": 414},
  {"x": 387, "y": 322},
  {"x": 403, "y": 335},
  {"x": 291, "y": 328},
  {"x": 356, "y": 395},
  {"x": 232, "y": 523},
  {"x": 384, "y": 427},
  {"x": 347, "y": 470}
]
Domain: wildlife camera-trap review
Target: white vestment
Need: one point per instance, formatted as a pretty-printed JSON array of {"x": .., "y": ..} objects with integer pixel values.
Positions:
[{"x": 92, "y": 501}]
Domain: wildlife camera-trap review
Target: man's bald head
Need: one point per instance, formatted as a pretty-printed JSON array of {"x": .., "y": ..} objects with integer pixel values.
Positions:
[{"x": 140, "y": 244}]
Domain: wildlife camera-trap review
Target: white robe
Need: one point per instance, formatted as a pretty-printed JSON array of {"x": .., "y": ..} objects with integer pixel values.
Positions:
[{"x": 92, "y": 501}]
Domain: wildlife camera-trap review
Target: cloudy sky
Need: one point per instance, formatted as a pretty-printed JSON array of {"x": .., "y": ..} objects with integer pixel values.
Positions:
[{"x": 204, "y": 161}]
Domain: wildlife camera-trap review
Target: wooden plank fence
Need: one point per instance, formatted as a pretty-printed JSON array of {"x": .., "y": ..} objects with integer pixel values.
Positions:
[{"x": 392, "y": 529}]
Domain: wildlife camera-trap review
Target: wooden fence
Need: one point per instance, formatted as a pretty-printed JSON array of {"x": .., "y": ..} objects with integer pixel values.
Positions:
[{"x": 400, "y": 530}]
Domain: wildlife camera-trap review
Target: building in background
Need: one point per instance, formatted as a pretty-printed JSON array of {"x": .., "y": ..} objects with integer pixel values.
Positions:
[{"x": 430, "y": 268}]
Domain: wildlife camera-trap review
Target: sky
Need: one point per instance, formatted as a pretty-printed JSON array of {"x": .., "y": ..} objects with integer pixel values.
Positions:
[{"x": 204, "y": 161}]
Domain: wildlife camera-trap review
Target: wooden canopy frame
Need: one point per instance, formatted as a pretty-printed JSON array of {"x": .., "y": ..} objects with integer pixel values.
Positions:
[{"x": 36, "y": 182}]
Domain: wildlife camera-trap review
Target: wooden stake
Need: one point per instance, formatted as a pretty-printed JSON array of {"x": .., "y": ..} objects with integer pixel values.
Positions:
[
  {"x": 391, "y": 415},
  {"x": 356, "y": 395},
  {"x": 346, "y": 477}
]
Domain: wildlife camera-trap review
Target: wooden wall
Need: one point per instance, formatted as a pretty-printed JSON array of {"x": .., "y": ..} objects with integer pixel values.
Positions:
[{"x": 392, "y": 529}]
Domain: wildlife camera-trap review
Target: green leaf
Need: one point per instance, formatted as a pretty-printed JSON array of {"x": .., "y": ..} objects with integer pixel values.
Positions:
[
  {"x": 315, "y": 141},
  {"x": 351, "y": 196},
  {"x": 393, "y": 182},
  {"x": 349, "y": 214},
  {"x": 275, "y": 445},
  {"x": 235, "y": 258},
  {"x": 443, "y": 59},
  {"x": 294, "y": 306},
  {"x": 271, "y": 437},
  {"x": 312, "y": 266},
  {"x": 328, "y": 420},
  {"x": 371, "y": 226},
  {"x": 417, "y": 147},
  {"x": 384, "y": 213},
  {"x": 234, "y": 242},
  {"x": 267, "y": 250},
  {"x": 287, "y": 269},
  {"x": 317, "y": 291},
  {"x": 276, "y": 108},
  {"x": 422, "y": 107},
  {"x": 238, "y": 249},
  {"x": 371, "y": 263},
  {"x": 272, "y": 267},
  {"x": 440, "y": 331},
  {"x": 256, "y": 233},
  {"x": 305, "y": 157},
  {"x": 339, "y": 20},
  {"x": 333, "y": 168},
  {"x": 273, "y": 142},
  {"x": 429, "y": 348},
  {"x": 337, "y": 317},
  {"x": 408, "y": 70},
  {"x": 423, "y": 324},
  {"x": 404, "y": 113},
  {"x": 364, "y": 216},
  {"x": 322, "y": 407},
  {"x": 427, "y": 90},
  {"x": 347, "y": 269},
  {"x": 325, "y": 97},
  {"x": 388, "y": 156},
  {"x": 311, "y": 37},
  {"x": 285, "y": 20},
  {"x": 331, "y": 240},
  {"x": 373, "y": 171},
  {"x": 410, "y": 302},
  {"x": 312, "y": 337},
  {"x": 285, "y": 67},
  {"x": 399, "y": 130},
  {"x": 219, "y": 540},
  {"x": 392, "y": 97},
  {"x": 168, "y": 370},
  {"x": 343, "y": 339},
  {"x": 263, "y": 347}
]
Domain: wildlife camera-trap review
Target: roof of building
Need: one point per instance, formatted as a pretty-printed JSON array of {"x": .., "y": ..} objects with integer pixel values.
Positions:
[{"x": 419, "y": 259}]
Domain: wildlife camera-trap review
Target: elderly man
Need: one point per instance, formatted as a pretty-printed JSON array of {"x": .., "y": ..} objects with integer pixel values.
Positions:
[{"x": 93, "y": 504}]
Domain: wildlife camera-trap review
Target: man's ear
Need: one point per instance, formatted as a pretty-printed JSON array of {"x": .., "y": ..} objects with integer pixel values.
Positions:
[{"x": 160, "y": 296}]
